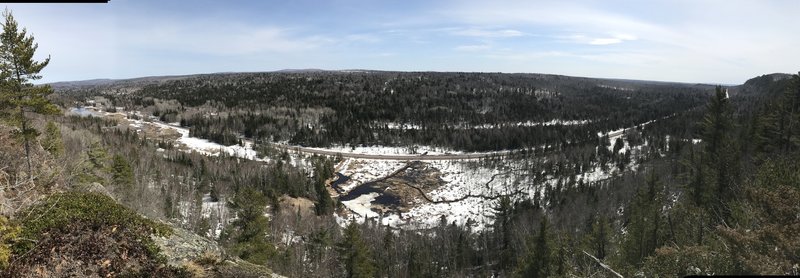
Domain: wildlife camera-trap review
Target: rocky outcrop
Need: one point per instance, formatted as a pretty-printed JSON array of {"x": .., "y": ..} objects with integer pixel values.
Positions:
[
  {"x": 184, "y": 246},
  {"x": 204, "y": 257}
]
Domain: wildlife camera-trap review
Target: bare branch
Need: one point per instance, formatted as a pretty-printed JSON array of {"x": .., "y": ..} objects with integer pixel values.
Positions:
[{"x": 603, "y": 265}]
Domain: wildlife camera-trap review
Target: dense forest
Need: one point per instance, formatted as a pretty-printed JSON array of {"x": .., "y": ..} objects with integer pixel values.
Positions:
[
  {"x": 715, "y": 190},
  {"x": 460, "y": 111},
  {"x": 696, "y": 179}
]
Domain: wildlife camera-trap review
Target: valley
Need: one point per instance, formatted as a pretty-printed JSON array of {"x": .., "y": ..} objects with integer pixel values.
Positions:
[{"x": 382, "y": 139}]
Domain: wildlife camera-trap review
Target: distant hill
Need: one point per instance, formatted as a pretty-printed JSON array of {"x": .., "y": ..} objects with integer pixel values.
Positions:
[{"x": 127, "y": 82}]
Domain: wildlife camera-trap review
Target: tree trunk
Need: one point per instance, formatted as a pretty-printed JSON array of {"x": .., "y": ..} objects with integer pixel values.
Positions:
[{"x": 27, "y": 144}]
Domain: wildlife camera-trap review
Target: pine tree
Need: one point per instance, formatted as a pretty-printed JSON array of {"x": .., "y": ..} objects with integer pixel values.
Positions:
[
  {"x": 538, "y": 261},
  {"x": 719, "y": 154},
  {"x": 52, "y": 142},
  {"x": 122, "y": 177},
  {"x": 355, "y": 253},
  {"x": 249, "y": 231},
  {"x": 17, "y": 70},
  {"x": 600, "y": 237},
  {"x": 93, "y": 165},
  {"x": 121, "y": 172},
  {"x": 323, "y": 169},
  {"x": 502, "y": 228},
  {"x": 645, "y": 221}
]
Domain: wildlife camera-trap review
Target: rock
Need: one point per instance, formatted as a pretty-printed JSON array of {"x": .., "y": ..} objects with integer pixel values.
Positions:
[
  {"x": 184, "y": 246},
  {"x": 95, "y": 187}
]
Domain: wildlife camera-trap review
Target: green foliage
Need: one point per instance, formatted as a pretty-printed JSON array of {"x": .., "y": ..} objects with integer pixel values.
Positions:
[
  {"x": 91, "y": 209},
  {"x": 355, "y": 254},
  {"x": 645, "y": 222},
  {"x": 247, "y": 236},
  {"x": 600, "y": 238},
  {"x": 719, "y": 157},
  {"x": 121, "y": 172},
  {"x": 323, "y": 169},
  {"x": 767, "y": 241},
  {"x": 689, "y": 260},
  {"x": 18, "y": 95},
  {"x": 52, "y": 141},
  {"x": 777, "y": 129},
  {"x": 503, "y": 214},
  {"x": 93, "y": 166},
  {"x": 9, "y": 232},
  {"x": 539, "y": 261}
]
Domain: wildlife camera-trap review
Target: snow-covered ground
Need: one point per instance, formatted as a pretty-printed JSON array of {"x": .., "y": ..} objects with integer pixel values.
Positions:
[
  {"x": 461, "y": 178},
  {"x": 206, "y": 147},
  {"x": 385, "y": 150},
  {"x": 199, "y": 145},
  {"x": 614, "y": 88},
  {"x": 216, "y": 212},
  {"x": 407, "y": 126},
  {"x": 361, "y": 171}
]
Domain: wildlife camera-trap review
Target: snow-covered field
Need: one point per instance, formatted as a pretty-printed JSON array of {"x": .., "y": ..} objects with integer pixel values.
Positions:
[
  {"x": 199, "y": 145},
  {"x": 206, "y": 147},
  {"x": 407, "y": 126},
  {"x": 361, "y": 171},
  {"x": 385, "y": 150},
  {"x": 481, "y": 185},
  {"x": 463, "y": 179}
]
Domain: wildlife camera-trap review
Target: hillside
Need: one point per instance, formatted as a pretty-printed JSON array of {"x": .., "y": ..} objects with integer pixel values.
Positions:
[
  {"x": 449, "y": 158},
  {"x": 588, "y": 183}
]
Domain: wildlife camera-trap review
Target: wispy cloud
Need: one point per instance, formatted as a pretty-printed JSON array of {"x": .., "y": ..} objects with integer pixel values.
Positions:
[
  {"x": 473, "y": 47},
  {"x": 706, "y": 41},
  {"x": 222, "y": 40},
  {"x": 367, "y": 38},
  {"x": 485, "y": 33},
  {"x": 612, "y": 40}
]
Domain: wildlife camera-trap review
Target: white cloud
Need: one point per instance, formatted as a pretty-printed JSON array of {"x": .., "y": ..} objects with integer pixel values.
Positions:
[
  {"x": 483, "y": 33},
  {"x": 613, "y": 40},
  {"x": 231, "y": 39},
  {"x": 738, "y": 39},
  {"x": 474, "y": 47},
  {"x": 605, "y": 41},
  {"x": 367, "y": 38}
]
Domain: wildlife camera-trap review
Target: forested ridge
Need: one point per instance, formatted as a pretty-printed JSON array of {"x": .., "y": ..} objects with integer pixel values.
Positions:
[
  {"x": 460, "y": 111},
  {"x": 715, "y": 192},
  {"x": 724, "y": 204},
  {"x": 702, "y": 180}
]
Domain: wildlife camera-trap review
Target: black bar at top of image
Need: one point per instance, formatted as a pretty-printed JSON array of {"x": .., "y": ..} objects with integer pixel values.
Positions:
[{"x": 56, "y": 2}]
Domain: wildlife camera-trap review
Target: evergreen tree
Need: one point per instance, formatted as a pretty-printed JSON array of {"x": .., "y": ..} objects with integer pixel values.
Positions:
[
  {"x": 121, "y": 172},
  {"x": 248, "y": 237},
  {"x": 502, "y": 228},
  {"x": 93, "y": 166},
  {"x": 600, "y": 237},
  {"x": 355, "y": 253},
  {"x": 538, "y": 261},
  {"x": 323, "y": 169},
  {"x": 719, "y": 154},
  {"x": 17, "y": 93},
  {"x": 644, "y": 223},
  {"x": 52, "y": 142}
]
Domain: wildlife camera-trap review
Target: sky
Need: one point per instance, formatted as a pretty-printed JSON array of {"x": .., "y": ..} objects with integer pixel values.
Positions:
[{"x": 695, "y": 41}]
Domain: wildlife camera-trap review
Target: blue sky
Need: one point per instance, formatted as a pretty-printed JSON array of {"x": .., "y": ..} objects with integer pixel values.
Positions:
[{"x": 723, "y": 42}]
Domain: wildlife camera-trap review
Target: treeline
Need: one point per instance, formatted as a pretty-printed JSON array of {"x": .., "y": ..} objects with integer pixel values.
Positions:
[
  {"x": 715, "y": 191},
  {"x": 320, "y": 109},
  {"x": 726, "y": 205}
]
